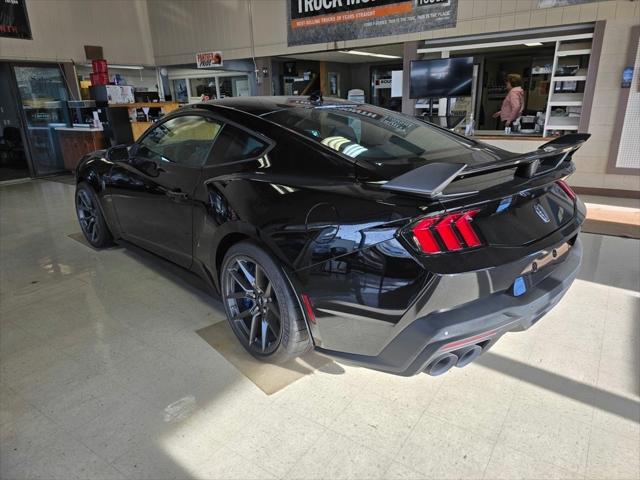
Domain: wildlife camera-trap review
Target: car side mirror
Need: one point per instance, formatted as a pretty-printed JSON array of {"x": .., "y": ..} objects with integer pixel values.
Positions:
[{"x": 119, "y": 153}]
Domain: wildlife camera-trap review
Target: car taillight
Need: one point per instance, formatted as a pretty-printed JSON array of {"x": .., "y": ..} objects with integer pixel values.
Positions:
[
  {"x": 567, "y": 189},
  {"x": 446, "y": 233}
]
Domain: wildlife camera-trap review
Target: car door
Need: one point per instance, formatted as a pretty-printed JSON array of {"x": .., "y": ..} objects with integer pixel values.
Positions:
[{"x": 152, "y": 190}]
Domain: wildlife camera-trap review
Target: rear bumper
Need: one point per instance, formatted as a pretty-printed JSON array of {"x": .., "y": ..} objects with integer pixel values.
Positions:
[{"x": 481, "y": 321}]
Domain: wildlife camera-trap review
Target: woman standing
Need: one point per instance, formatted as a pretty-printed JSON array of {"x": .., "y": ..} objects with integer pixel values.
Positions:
[{"x": 513, "y": 104}]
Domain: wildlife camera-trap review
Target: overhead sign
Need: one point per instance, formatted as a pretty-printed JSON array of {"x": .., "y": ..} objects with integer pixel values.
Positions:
[
  {"x": 14, "y": 21},
  {"x": 208, "y": 59},
  {"x": 322, "y": 21}
]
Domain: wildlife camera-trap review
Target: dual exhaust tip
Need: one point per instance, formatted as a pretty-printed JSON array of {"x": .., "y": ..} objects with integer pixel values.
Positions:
[{"x": 459, "y": 358}]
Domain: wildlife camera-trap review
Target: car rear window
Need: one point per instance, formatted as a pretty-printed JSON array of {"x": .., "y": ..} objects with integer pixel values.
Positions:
[
  {"x": 234, "y": 144},
  {"x": 370, "y": 133}
]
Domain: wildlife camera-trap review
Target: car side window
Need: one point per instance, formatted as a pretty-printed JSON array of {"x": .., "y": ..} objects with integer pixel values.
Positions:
[
  {"x": 185, "y": 140},
  {"x": 234, "y": 144}
]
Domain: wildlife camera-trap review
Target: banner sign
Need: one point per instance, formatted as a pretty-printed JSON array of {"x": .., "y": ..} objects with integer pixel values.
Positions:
[
  {"x": 209, "y": 59},
  {"x": 14, "y": 21},
  {"x": 323, "y": 21}
]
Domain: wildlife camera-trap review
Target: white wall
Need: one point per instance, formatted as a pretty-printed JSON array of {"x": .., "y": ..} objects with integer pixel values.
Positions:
[
  {"x": 180, "y": 29},
  {"x": 61, "y": 28}
]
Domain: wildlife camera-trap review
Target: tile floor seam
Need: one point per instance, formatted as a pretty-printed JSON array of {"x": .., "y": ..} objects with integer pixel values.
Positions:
[
  {"x": 324, "y": 430},
  {"x": 97, "y": 454},
  {"x": 601, "y": 353},
  {"x": 441, "y": 421},
  {"x": 70, "y": 432},
  {"x": 356, "y": 441},
  {"x": 406, "y": 439},
  {"x": 525, "y": 452},
  {"x": 504, "y": 421},
  {"x": 345, "y": 437},
  {"x": 299, "y": 459},
  {"x": 219, "y": 445},
  {"x": 587, "y": 456},
  {"x": 64, "y": 356},
  {"x": 63, "y": 429},
  {"x": 317, "y": 423},
  {"x": 570, "y": 347},
  {"x": 45, "y": 445},
  {"x": 142, "y": 338},
  {"x": 132, "y": 393}
]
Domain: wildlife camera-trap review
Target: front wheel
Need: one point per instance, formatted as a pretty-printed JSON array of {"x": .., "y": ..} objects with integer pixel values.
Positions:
[
  {"x": 261, "y": 308},
  {"x": 93, "y": 225}
]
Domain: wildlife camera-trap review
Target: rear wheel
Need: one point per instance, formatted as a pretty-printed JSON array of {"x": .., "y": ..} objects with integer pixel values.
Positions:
[
  {"x": 92, "y": 222},
  {"x": 260, "y": 306}
]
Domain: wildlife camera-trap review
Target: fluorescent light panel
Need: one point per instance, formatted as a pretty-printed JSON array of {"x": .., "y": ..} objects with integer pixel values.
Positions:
[
  {"x": 534, "y": 44},
  {"x": 368, "y": 54},
  {"x": 124, "y": 67}
]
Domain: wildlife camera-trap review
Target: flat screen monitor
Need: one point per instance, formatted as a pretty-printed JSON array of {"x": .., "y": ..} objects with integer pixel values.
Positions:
[{"x": 442, "y": 77}]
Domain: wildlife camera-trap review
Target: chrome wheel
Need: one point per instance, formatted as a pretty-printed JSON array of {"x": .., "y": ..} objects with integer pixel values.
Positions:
[
  {"x": 252, "y": 305},
  {"x": 87, "y": 215}
]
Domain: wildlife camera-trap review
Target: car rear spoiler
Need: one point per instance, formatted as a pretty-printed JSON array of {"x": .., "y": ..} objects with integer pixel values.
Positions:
[{"x": 430, "y": 180}]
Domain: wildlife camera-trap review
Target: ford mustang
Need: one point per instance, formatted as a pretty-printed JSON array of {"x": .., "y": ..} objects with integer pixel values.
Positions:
[{"x": 368, "y": 235}]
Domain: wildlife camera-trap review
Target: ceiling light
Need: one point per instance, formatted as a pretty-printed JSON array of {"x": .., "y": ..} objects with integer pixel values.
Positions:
[
  {"x": 124, "y": 67},
  {"x": 368, "y": 54},
  {"x": 533, "y": 44}
]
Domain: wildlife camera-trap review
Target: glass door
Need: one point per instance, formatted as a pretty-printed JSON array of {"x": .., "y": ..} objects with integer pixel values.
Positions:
[
  {"x": 43, "y": 97},
  {"x": 381, "y": 87},
  {"x": 13, "y": 156}
]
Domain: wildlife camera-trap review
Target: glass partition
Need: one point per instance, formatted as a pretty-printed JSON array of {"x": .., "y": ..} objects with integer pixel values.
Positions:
[{"x": 43, "y": 96}]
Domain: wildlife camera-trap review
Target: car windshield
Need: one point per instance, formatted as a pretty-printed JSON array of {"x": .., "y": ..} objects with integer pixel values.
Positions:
[{"x": 375, "y": 134}]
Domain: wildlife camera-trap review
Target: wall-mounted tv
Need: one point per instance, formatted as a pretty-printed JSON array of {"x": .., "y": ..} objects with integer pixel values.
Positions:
[{"x": 441, "y": 77}]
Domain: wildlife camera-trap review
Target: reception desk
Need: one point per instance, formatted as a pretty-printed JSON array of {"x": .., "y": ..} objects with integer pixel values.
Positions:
[
  {"x": 77, "y": 142},
  {"x": 137, "y": 127}
]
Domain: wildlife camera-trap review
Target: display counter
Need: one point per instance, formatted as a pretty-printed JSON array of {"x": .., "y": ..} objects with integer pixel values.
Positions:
[{"x": 77, "y": 142}]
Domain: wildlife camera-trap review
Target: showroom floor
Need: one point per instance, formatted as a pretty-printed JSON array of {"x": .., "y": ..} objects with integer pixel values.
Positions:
[{"x": 102, "y": 375}]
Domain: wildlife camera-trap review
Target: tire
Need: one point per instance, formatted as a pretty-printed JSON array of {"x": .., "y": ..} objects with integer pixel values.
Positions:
[
  {"x": 90, "y": 217},
  {"x": 255, "y": 307}
]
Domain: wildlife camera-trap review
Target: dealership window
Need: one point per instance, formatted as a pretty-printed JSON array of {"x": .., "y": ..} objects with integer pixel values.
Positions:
[
  {"x": 203, "y": 86},
  {"x": 191, "y": 86},
  {"x": 556, "y": 72},
  {"x": 534, "y": 68}
]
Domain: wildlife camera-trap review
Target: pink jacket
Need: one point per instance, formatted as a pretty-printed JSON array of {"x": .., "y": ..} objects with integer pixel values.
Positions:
[{"x": 512, "y": 105}]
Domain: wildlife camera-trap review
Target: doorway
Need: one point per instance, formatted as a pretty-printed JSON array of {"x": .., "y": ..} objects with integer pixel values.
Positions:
[
  {"x": 43, "y": 96},
  {"x": 33, "y": 101},
  {"x": 13, "y": 156}
]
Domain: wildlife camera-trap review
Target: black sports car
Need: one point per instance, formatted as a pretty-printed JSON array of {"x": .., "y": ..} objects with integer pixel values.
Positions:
[{"x": 366, "y": 234}]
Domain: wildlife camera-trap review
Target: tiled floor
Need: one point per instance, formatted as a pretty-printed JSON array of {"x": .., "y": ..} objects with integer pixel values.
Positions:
[{"x": 103, "y": 376}]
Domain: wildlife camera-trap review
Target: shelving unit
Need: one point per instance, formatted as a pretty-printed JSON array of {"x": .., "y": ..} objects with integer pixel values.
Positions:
[
  {"x": 564, "y": 51},
  {"x": 571, "y": 49},
  {"x": 565, "y": 99},
  {"x": 563, "y": 123},
  {"x": 580, "y": 76}
]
